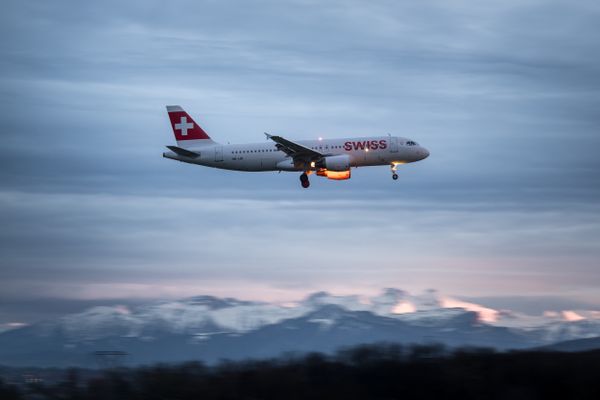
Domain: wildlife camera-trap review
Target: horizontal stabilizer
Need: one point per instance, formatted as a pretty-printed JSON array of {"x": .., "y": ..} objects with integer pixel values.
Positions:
[{"x": 183, "y": 152}]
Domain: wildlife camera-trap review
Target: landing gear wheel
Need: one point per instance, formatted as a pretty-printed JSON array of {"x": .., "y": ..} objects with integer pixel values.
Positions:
[
  {"x": 304, "y": 181},
  {"x": 393, "y": 167}
]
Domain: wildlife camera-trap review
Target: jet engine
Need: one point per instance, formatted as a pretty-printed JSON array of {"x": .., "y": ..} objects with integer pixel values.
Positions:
[
  {"x": 335, "y": 175},
  {"x": 335, "y": 167},
  {"x": 335, "y": 163}
]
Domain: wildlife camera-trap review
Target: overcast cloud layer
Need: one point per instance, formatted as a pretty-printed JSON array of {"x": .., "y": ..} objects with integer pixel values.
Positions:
[{"x": 505, "y": 95}]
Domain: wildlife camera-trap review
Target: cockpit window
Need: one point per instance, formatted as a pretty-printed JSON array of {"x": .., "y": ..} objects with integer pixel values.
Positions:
[{"x": 411, "y": 143}]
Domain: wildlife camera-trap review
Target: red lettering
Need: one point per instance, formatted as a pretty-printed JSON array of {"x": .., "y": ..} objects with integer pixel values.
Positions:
[{"x": 369, "y": 144}]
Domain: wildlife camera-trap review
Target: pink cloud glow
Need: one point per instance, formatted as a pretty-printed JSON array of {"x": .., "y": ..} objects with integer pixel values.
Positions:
[{"x": 485, "y": 314}]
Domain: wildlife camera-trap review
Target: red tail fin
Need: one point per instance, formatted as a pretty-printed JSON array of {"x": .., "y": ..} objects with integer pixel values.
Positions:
[{"x": 187, "y": 131}]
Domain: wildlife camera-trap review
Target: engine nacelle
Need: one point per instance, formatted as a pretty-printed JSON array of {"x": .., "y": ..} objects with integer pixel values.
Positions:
[
  {"x": 335, "y": 175},
  {"x": 340, "y": 163}
]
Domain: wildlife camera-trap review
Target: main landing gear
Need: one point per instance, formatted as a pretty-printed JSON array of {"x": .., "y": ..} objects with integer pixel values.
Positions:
[
  {"x": 394, "y": 174},
  {"x": 304, "y": 180}
]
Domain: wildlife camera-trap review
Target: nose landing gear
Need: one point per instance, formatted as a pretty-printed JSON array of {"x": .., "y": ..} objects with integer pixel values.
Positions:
[
  {"x": 394, "y": 174},
  {"x": 304, "y": 180}
]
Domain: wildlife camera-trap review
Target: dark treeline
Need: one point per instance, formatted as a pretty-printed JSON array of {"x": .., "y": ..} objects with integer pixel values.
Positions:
[{"x": 365, "y": 372}]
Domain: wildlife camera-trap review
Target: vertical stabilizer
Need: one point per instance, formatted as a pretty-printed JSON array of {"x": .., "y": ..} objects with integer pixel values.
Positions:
[{"x": 187, "y": 132}]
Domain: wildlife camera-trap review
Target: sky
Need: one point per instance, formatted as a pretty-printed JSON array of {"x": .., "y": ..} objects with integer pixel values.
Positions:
[{"x": 504, "y": 94}]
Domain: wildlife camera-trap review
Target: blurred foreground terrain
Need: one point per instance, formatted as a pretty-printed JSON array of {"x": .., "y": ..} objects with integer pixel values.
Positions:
[{"x": 365, "y": 372}]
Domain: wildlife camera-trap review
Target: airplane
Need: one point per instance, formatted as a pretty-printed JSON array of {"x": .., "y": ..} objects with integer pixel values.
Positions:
[{"x": 331, "y": 158}]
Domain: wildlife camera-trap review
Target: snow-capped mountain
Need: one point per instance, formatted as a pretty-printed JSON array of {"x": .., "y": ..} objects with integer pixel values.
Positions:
[{"x": 211, "y": 328}]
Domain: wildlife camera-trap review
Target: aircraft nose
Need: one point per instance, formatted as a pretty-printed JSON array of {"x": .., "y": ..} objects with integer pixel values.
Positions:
[{"x": 423, "y": 153}]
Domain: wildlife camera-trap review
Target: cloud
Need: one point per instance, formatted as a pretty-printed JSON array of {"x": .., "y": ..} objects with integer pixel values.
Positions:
[
  {"x": 89, "y": 244},
  {"x": 572, "y": 316},
  {"x": 504, "y": 95},
  {"x": 486, "y": 314}
]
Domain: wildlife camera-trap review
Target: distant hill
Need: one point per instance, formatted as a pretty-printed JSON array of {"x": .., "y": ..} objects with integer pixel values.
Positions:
[
  {"x": 575, "y": 345},
  {"x": 385, "y": 371}
]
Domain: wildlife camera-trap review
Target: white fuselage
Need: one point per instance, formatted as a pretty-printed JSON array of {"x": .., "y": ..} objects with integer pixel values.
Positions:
[{"x": 363, "y": 151}]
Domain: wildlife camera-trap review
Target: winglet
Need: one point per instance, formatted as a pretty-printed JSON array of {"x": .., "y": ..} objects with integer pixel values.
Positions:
[{"x": 268, "y": 136}]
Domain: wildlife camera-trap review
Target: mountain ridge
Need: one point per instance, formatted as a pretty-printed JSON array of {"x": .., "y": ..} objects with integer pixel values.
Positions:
[{"x": 209, "y": 328}]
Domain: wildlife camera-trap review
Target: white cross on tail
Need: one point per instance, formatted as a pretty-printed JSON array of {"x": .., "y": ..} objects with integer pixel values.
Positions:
[{"x": 183, "y": 125}]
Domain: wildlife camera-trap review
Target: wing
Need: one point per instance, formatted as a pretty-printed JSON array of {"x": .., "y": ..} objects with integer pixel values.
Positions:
[{"x": 293, "y": 149}]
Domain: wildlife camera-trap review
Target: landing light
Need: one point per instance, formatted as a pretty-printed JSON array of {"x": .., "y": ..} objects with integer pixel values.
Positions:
[
  {"x": 312, "y": 164},
  {"x": 320, "y": 138}
]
